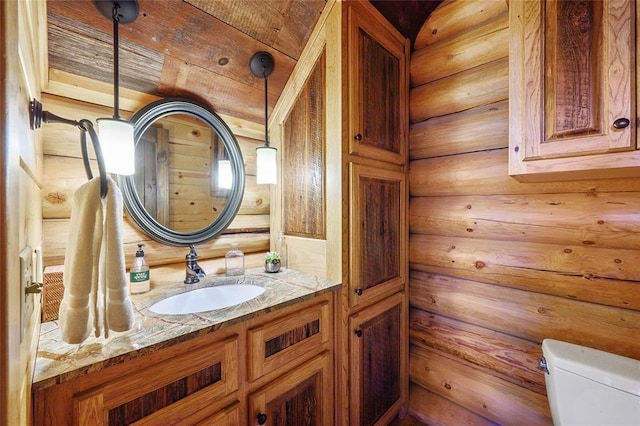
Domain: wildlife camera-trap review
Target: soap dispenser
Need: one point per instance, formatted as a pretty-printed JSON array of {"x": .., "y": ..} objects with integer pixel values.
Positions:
[{"x": 139, "y": 276}]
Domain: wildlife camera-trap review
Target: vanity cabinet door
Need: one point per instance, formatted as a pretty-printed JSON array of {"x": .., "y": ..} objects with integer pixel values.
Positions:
[
  {"x": 378, "y": 234},
  {"x": 572, "y": 97},
  {"x": 303, "y": 396},
  {"x": 377, "y": 361},
  {"x": 377, "y": 88},
  {"x": 186, "y": 387}
]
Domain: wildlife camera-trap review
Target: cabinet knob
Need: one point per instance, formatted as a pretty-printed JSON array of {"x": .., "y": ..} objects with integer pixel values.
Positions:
[
  {"x": 359, "y": 333},
  {"x": 621, "y": 123},
  {"x": 262, "y": 418},
  {"x": 359, "y": 291},
  {"x": 358, "y": 137}
]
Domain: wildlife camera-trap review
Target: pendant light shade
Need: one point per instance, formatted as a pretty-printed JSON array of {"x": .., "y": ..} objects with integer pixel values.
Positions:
[
  {"x": 267, "y": 166},
  {"x": 118, "y": 148},
  {"x": 225, "y": 177},
  {"x": 262, "y": 65}
]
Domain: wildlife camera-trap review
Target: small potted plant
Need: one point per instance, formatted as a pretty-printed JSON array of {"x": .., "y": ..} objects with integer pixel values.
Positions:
[{"x": 272, "y": 261}]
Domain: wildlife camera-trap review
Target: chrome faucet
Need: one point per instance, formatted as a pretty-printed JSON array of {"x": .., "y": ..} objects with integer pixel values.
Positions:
[{"x": 194, "y": 271}]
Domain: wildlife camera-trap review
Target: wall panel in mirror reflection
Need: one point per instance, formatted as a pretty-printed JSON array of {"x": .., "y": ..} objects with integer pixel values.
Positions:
[{"x": 176, "y": 195}]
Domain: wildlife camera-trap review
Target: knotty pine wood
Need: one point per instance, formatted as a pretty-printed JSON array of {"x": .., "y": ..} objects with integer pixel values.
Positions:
[
  {"x": 507, "y": 357},
  {"x": 486, "y": 173},
  {"x": 499, "y": 265},
  {"x": 475, "y": 129},
  {"x": 56, "y": 232},
  {"x": 528, "y": 315},
  {"x": 453, "y": 17},
  {"x": 478, "y": 391},
  {"x": 479, "y": 86},
  {"x": 433, "y": 409},
  {"x": 591, "y": 220},
  {"x": 606, "y": 276},
  {"x": 485, "y": 44}
]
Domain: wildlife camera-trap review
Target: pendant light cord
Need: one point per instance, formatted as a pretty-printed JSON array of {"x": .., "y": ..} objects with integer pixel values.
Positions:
[
  {"x": 266, "y": 108},
  {"x": 116, "y": 65}
]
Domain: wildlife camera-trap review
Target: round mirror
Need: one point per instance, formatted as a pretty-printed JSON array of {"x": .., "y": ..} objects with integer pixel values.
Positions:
[{"x": 189, "y": 179}]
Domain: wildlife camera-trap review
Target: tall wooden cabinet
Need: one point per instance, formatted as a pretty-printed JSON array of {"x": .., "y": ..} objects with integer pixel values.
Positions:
[
  {"x": 362, "y": 62},
  {"x": 374, "y": 297}
]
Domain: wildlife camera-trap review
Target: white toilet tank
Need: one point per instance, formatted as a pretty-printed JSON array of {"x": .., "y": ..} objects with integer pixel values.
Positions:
[{"x": 591, "y": 387}]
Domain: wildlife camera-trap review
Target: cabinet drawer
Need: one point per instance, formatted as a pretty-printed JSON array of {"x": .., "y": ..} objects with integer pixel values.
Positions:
[
  {"x": 292, "y": 338},
  {"x": 169, "y": 390}
]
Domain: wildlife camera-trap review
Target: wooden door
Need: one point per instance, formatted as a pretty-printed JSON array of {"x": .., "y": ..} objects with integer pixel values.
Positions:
[
  {"x": 378, "y": 233},
  {"x": 300, "y": 397},
  {"x": 378, "y": 347},
  {"x": 378, "y": 88}
]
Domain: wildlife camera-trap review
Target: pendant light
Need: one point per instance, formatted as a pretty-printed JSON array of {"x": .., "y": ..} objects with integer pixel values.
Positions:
[
  {"x": 116, "y": 134},
  {"x": 262, "y": 65},
  {"x": 225, "y": 176}
]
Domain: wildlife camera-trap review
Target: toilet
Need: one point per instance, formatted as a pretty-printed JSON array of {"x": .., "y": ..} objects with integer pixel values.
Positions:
[{"x": 590, "y": 387}]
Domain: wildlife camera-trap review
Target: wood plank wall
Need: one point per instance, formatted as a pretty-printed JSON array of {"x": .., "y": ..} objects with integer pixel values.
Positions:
[
  {"x": 64, "y": 173},
  {"x": 497, "y": 265}
]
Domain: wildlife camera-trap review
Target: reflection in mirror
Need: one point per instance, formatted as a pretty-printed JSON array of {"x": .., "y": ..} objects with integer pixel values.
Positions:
[
  {"x": 189, "y": 179},
  {"x": 178, "y": 173}
]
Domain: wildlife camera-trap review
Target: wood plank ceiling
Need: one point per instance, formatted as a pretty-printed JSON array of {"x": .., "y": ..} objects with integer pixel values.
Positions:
[{"x": 199, "y": 49}]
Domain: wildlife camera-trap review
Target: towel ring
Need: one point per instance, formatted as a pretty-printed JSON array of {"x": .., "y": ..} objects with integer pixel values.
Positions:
[
  {"x": 87, "y": 127},
  {"x": 37, "y": 116}
]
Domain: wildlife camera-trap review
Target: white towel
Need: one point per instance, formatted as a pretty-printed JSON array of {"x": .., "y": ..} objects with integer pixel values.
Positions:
[{"x": 96, "y": 292}]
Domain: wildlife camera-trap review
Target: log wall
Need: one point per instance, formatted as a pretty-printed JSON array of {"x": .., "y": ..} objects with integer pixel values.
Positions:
[
  {"x": 63, "y": 173},
  {"x": 498, "y": 265}
]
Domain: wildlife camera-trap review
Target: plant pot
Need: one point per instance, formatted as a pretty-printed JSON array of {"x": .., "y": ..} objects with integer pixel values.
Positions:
[{"x": 271, "y": 267}]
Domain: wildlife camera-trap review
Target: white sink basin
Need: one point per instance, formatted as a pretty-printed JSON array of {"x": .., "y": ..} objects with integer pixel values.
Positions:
[{"x": 206, "y": 299}]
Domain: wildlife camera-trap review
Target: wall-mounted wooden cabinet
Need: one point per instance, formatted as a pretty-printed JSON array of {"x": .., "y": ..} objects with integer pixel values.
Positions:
[{"x": 572, "y": 96}]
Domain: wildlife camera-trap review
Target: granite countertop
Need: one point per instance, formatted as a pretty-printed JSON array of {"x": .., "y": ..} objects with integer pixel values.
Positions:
[{"x": 58, "y": 361}]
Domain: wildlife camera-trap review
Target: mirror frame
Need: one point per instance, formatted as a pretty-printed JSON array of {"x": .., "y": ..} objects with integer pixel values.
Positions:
[{"x": 142, "y": 120}]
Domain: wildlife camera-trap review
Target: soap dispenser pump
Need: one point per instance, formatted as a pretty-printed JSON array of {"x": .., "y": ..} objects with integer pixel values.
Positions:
[{"x": 139, "y": 276}]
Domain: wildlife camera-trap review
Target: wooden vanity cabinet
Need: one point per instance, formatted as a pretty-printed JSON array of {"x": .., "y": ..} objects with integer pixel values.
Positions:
[
  {"x": 290, "y": 366},
  {"x": 572, "y": 91},
  {"x": 279, "y": 364}
]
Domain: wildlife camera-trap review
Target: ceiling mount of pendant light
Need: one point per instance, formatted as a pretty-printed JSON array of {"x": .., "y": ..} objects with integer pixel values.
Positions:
[
  {"x": 116, "y": 134},
  {"x": 262, "y": 65}
]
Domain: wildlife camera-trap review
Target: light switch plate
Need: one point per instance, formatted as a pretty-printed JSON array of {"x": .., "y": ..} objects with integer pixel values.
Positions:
[{"x": 26, "y": 277}]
